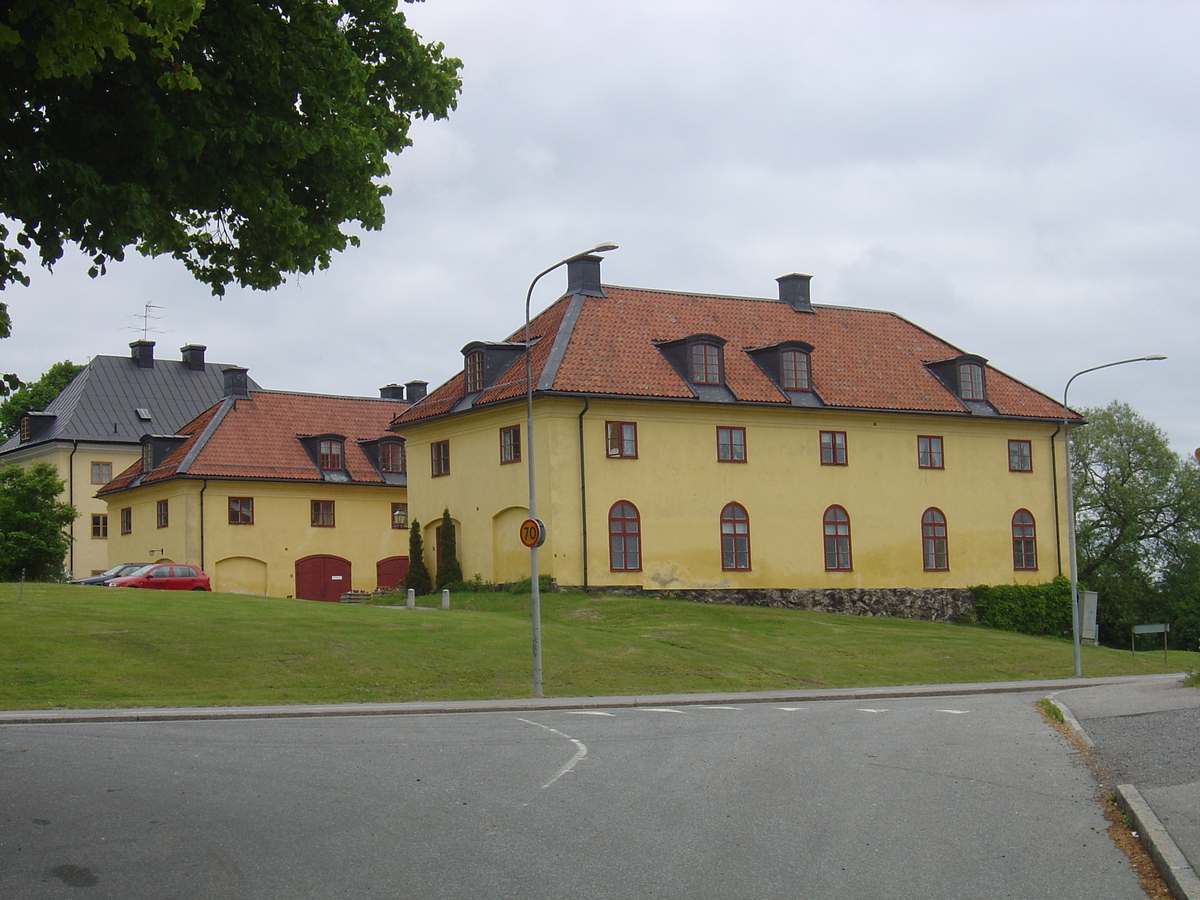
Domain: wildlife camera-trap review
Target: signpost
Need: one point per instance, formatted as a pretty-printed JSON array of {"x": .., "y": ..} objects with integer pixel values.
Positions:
[
  {"x": 533, "y": 533},
  {"x": 1163, "y": 627}
]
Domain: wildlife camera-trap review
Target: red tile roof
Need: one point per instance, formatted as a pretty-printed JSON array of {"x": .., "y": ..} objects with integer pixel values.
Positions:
[
  {"x": 257, "y": 438},
  {"x": 861, "y": 359}
]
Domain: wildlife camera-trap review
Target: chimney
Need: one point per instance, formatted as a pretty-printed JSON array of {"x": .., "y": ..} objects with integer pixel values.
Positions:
[
  {"x": 794, "y": 291},
  {"x": 235, "y": 383},
  {"x": 193, "y": 356},
  {"x": 143, "y": 353},
  {"x": 391, "y": 392},
  {"x": 415, "y": 390},
  {"x": 583, "y": 275}
]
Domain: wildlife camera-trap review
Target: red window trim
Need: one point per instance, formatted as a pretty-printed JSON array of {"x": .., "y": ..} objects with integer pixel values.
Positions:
[
  {"x": 830, "y": 521},
  {"x": 126, "y": 520},
  {"x": 330, "y": 455},
  {"x": 625, "y": 537},
  {"x": 316, "y": 513},
  {"x": 727, "y": 449},
  {"x": 439, "y": 458},
  {"x": 1026, "y": 538},
  {"x": 473, "y": 371},
  {"x": 513, "y": 447},
  {"x": 621, "y": 440},
  {"x": 941, "y": 458},
  {"x": 392, "y": 458},
  {"x": 795, "y": 370},
  {"x": 838, "y": 455},
  {"x": 730, "y": 521},
  {"x": 1027, "y": 456},
  {"x": 705, "y": 363},
  {"x": 933, "y": 529},
  {"x": 162, "y": 513},
  {"x": 241, "y": 518}
]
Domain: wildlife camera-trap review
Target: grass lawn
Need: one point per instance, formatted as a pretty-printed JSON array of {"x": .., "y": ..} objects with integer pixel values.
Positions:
[{"x": 74, "y": 647}]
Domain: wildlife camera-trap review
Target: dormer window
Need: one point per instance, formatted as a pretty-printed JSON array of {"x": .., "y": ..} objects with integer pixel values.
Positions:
[
  {"x": 147, "y": 456},
  {"x": 794, "y": 370},
  {"x": 330, "y": 456},
  {"x": 970, "y": 381},
  {"x": 24, "y": 428},
  {"x": 705, "y": 363},
  {"x": 475, "y": 371},
  {"x": 391, "y": 457}
]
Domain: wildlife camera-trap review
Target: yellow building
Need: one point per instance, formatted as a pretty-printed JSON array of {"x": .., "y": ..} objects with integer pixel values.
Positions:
[
  {"x": 92, "y": 431},
  {"x": 691, "y": 442},
  {"x": 272, "y": 493}
]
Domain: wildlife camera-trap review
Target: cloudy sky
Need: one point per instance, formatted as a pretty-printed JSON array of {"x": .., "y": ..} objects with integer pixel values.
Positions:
[{"x": 1020, "y": 178}]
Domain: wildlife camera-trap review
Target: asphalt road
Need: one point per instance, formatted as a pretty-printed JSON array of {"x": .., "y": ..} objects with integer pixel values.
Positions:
[{"x": 934, "y": 797}]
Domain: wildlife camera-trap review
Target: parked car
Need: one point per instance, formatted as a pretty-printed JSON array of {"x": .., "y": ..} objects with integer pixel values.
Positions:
[
  {"x": 164, "y": 577},
  {"x": 115, "y": 572}
]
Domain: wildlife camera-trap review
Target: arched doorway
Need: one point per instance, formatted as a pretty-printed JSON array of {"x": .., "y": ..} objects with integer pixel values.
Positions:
[
  {"x": 390, "y": 572},
  {"x": 322, "y": 578}
]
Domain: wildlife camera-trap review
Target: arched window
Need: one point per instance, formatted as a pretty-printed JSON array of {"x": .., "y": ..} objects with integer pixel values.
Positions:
[
  {"x": 837, "y": 539},
  {"x": 624, "y": 538},
  {"x": 933, "y": 541},
  {"x": 475, "y": 371},
  {"x": 330, "y": 455},
  {"x": 970, "y": 381},
  {"x": 735, "y": 538},
  {"x": 1024, "y": 537},
  {"x": 706, "y": 364}
]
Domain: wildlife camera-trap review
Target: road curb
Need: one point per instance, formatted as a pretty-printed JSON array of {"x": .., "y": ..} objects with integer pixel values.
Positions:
[
  {"x": 1073, "y": 723},
  {"x": 1180, "y": 877}
]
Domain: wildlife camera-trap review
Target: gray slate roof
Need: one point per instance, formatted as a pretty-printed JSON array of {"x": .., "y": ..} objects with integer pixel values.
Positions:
[{"x": 101, "y": 403}]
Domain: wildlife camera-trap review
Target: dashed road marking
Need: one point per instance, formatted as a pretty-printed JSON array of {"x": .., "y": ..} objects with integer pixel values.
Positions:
[
  {"x": 873, "y": 710},
  {"x": 679, "y": 712},
  {"x": 955, "y": 712},
  {"x": 588, "y": 712},
  {"x": 734, "y": 708},
  {"x": 579, "y": 753}
]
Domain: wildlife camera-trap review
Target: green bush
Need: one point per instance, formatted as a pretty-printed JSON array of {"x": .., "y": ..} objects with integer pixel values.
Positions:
[
  {"x": 1025, "y": 608},
  {"x": 545, "y": 585}
]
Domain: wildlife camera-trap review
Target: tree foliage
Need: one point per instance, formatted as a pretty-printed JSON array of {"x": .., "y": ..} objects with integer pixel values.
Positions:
[
  {"x": 237, "y": 136},
  {"x": 449, "y": 569},
  {"x": 1137, "y": 513},
  {"x": 35, "y": 397},
  {"x": 32, "y": 519},
  {"x": 417, "y": 580}
]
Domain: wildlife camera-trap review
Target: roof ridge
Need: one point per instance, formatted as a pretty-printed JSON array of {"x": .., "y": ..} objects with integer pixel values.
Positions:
[{"x": 710, "y": 296}]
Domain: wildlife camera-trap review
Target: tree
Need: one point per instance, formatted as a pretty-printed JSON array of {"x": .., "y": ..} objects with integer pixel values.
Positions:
[
  {"x": 32, "y": 519},
  {"x": 236, "y": 136},
  {"x": 1137, "y": 507},
  {"x": 449, "y": 570},
  {"x": 35, "y": 397},
  {"x": 417, "y": 580}
]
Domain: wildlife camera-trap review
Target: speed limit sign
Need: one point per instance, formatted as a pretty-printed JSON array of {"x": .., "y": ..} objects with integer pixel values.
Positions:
[{"x": 533, "y": 533}]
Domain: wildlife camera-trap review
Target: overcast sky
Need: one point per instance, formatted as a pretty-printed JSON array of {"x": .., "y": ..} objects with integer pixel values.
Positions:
[{"x": 1020, "y": 178}]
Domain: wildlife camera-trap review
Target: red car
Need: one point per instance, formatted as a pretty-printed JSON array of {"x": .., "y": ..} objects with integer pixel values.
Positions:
[{"x": 164, "y": 577}]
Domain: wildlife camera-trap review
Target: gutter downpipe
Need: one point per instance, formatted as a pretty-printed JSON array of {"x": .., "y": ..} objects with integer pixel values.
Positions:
[
  {"x": 203, "y": 488},
  {"x": 1057, "y": 515},
  {"x": 71, "y": 500},
  {"x": 583, "y": 492}
]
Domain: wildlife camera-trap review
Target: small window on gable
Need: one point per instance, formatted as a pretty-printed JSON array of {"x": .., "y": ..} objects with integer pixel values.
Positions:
[
  {"x": 127, "y": 520},
  {"x": 731, "y": 444},
  {"x": 620, "y": 440},
  {"x": 929, "y": 451},
  {"x": 391, "y": 457},
  {"x": 321, "y": 514},
  {"x": 1020, "y": 456},
  {"x": 510, "y": 444},
  {"x": 162, "y": 513},
  {"x": 101, "y": 472},
  {"x": 24, "y": 428},
  {"x": 794, "y": 370},
  {"x": 330, "y": 456},
  {"x": 705, "y": 363},
  {"x": 833, "y": 448},
  {"x": 474, "y": 371},
  {"x": 970, "y": 381},
  {"x": 99, "y": 525},
  {"x": 439, "y": 458},
  {"x": 241, "y": 510}
]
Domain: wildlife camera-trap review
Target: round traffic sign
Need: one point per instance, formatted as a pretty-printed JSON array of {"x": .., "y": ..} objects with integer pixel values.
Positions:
[{"x": 533, "y": 533}]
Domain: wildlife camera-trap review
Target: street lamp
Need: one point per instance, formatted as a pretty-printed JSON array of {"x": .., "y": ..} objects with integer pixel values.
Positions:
[
  {"x": 535, "y": 595},
  {"x": 1074, "y": 562}
]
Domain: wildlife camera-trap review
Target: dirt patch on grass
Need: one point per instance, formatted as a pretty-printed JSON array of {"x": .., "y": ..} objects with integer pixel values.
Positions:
[{"x": 1119, "y": 829}]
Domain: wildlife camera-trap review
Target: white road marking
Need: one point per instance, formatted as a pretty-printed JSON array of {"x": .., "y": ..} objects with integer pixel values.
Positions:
[
  {"x": 734, "y": 708},
  {"x": 873, "y": 710},
  {"x": 588, "y": 712},
  {"x": 662, "y": 709},
  {"x": 791, "y": 708},
  {"x": 579, "y": 754},
  {"x": 955, "y": 712}
]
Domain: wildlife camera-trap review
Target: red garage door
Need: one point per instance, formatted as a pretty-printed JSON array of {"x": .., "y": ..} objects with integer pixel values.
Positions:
[
  {"x": 390, "y": 572},
  {"x": 322, "y": 578}
]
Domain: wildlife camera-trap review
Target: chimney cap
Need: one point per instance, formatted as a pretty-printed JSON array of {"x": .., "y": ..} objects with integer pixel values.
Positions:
[{"x": 796, "y": 292}]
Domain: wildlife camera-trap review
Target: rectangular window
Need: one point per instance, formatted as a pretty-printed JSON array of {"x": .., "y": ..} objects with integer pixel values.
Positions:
[
  {"x": 127, "y": 520},
  {"x": 929, "y": 452},
  {"x": 391, "y": 458},
  {"x": 706, "y": 364},
  {"x": 833, "y": 448},
  {"x": 439, "y": 458},
  {"x": 399, "y": 515},
  {"x": 241, "y": 511},
  {"x": 793, "y": 370},
  {"x": 330, "y": 456},
  {"x": 510, "y": 444},
  {"x": 101, "y": 472},
  {"x": 731, "y": 444},
  {"x": 322, "y": 514},
  {"x": 162, "y": 514},
  {"x": 970, "y": 381},
  {"x": 621, "y": 439},
  {"x": 1020, "y": 456},
  {"x": 99, "y": 526},
  {"x": 474, "y": 371}
]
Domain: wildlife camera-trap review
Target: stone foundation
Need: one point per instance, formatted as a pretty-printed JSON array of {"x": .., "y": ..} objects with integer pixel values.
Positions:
[{"x": 928, "y": 604}]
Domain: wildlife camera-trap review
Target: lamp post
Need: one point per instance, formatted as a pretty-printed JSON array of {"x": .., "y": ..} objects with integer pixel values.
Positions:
[
  {"x": 535, "y": 595},
  {"x": 1074, "y": 562}
]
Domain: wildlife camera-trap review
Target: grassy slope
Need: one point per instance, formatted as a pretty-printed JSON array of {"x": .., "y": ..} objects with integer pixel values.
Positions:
[{"x": 64, "y": 646}]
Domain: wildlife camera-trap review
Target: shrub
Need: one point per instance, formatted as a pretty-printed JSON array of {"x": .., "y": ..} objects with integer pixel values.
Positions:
[
  {"x": 417, "y": 580},
  {"x": 545, "y": 585},
  {"x": 1025, "y": 608},
  {"x": 449, "y": 570}
]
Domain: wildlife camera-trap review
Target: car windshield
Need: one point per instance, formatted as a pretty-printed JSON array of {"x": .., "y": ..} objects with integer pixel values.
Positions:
[
  {"x": 142, "y": 570},
  {"x": 122, "y": 569}
]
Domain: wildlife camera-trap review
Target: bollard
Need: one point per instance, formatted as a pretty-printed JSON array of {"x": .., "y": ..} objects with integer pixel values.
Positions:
[
  {"x": 445, "y": 598},
  {"x": 412, "y": 599}
]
